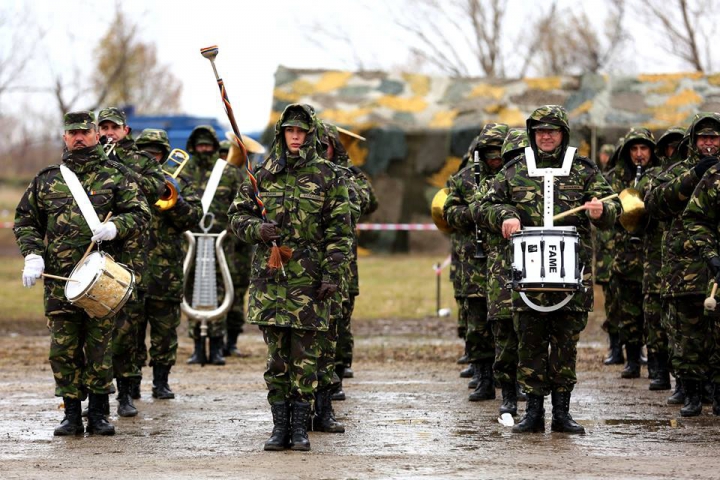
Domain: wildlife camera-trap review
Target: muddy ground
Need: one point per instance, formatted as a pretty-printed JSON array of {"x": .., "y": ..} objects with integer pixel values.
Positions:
[{"x": 407, "y": 416}]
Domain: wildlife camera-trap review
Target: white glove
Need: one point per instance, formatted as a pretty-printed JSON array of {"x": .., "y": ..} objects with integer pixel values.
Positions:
[
  {"x": 34, "y": 266},
  {"x": 106, "y": 231}
]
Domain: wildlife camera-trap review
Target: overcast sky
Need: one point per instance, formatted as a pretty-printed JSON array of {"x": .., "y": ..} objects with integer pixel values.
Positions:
[{"x": 254, "y": 37}]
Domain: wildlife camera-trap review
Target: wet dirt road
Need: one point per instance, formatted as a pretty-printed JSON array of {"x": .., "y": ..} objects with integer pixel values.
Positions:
[{"x": 407, "y": 416}]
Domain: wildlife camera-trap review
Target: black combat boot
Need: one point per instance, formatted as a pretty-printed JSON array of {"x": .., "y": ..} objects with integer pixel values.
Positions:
[
  {"x": 485, "y": 389},
  {"x": 561, "y": 419},
  {"x": 280, "y": 436},
  {"x": 652, "y": 365},
  {"x": 464, "y": 359},
  {"x": 216, "y": 356},
  {"x": 97, "y": 423},
  {"x": 693, "y": 402},
  {"x": 476, "y": 376},
  {"x": 337, "y": 392},
  {"x": 72, "y": 423},
  {"x": 509, "y": 397},
  {"x": 198, "y": 356},
  {"x": 521, "y": 396},
  {"x": 324, "y": 415},
  {"x": 161, "y": 389},
  {"x": 348, "y": 373},
  {"x": 468, "y": 372},
  {"x": 135, "y": 388},
  {"x": 534, "y": 418},
  {"x": 230, "y": 349},
  {"x": 632, "y": 368},
  {"x": 706, "y": 392},
  {"x": 298, "y": 426},
  {"x": 615, "y": 354},
  {"x": 678, "y": 396},
  {"x": 125, "y": 403},
  {"x": 662, "y": 373},
  {"x": 716, "y": 399}
]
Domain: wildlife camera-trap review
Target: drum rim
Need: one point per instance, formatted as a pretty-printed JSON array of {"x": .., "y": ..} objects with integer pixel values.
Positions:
[
  {"x": 92, "y": 282},
  {"x": 547, "y": 232}
]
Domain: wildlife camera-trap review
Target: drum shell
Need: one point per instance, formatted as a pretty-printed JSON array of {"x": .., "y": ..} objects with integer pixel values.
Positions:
[
  {"x": 541, "y": 267},
  {"x": 111, "y": 286}
]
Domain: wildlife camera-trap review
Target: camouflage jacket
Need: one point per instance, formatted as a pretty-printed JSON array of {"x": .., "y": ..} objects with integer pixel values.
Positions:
[
  {"x": 514, "y": 194},
  {"x": 701, "y": 218},
  {"x": 308, "y": 199},
  {"x": 48, "y": 221},
  {"x": 166, "y": 252}
]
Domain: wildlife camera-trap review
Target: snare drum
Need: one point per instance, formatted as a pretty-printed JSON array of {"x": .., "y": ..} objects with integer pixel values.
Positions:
[
  {"x": 546, "y": 260},
  {"x": 103, "y": 285}
]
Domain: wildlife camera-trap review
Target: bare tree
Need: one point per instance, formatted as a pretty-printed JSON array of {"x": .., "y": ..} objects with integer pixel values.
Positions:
[
  {"x": 685, "y": 29},
  {"x": 20, "y": 35}
]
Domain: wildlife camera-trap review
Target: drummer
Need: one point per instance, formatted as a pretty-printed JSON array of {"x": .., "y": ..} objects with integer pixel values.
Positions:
[
  {"x": 48, "y": 212},
  {"x": 516, "y": 200}
]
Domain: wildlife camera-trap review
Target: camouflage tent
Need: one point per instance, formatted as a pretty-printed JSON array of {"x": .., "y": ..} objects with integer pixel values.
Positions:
[{"x": 419, "y": 126}]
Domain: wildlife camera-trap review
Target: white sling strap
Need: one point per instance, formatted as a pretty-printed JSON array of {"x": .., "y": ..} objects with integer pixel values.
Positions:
[
  {"x": 212, "y": 184},
  {"x": 81, "y": 198}
]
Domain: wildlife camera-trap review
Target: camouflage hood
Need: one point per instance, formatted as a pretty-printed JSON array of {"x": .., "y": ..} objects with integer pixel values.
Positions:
[
  {"x": 626, "y": 168},
  {"x": 704, "y": 118},
  {"x": 552, "y": 115},
  {"x": 309, "y": 148},
  {"x": 515, "y": 142},
  {"x": 673, "y": 134},
  {"x": 491, "y": 136},
  {"x": 328, "y": 135},
  {"x": 616, "y": 154},
  {"x": 202, "y": 131}
]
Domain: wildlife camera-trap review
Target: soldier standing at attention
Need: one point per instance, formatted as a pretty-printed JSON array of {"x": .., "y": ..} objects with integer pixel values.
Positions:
[
  {"x": 164, "y": 273},
  {"x": 547, "y": 342},
  {"x": 685, "y": 272},
  {"x": 308, "y": 210},
  {"x": 480, "y": 344},
  {"x": 146, "y": 172},
  {"x": 203, "y": 146},
  {"x": 80, "y": 351}
]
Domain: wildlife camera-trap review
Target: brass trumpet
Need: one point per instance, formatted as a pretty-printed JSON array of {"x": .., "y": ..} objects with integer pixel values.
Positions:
[
  {"x": 437, "y": 213},
  {"x": 171, "y": 167}
]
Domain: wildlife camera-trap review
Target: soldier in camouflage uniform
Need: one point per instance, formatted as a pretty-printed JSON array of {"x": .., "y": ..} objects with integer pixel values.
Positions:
[
  {"x": 164, "y": 273},
  {"x": 308, "y": 210},
  {"x": 146, "y": 172},
  {"x": 604, "y": 253},
  {"x": 685, "y": 275},
  {"x": 499, "y": 297},
  {"x": 637, "y": 152},
  {"x": 547, "y": 342},
  {"x": 224, "y": 149},
  {"x": 80, "y": 350},
  {"x": 203, "y": 146},
  {"x": 700, "y": 347},
  {"x": 480, "y": 344},
  {"x": 655, "y": 334}
]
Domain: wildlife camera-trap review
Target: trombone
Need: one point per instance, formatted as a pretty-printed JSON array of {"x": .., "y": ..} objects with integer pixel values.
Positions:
[{"x": 171, "y": 167}]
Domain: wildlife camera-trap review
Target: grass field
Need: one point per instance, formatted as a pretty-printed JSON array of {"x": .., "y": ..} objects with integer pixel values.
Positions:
[{"x": 9, "y": 198}]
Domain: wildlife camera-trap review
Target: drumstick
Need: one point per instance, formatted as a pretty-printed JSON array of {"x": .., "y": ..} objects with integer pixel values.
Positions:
[
  {"x": 57, "y": 277},
  {"x": 710, "y": 303},
  {"x": 582, "y": 207},
  {"x": 92, "y": 244}
]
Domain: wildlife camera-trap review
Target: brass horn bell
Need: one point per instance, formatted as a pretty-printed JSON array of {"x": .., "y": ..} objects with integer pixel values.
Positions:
[
  {"x": 436, "y": 210},
  {"x": 235, "y": 155},
  {"x": 633, "y": 217}
]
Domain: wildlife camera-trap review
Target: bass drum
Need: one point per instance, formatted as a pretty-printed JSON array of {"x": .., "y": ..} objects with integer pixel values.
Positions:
[{"x": 102, "y": 287}]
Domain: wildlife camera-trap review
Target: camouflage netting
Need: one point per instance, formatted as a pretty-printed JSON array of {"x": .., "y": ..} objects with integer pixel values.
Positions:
[{"x": 418, "y": 127}]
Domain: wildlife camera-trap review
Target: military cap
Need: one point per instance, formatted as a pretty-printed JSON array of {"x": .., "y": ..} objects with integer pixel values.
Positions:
[
  {"x": 708, "y": 129},
  {"x": 153, "y": 140},
  {"x": 608, "y": 148},
  {"x": 296, "y": 118},
  {"x": 491, "y": 153},
  {"x": 112, "y": 114},
  {"x": 82, "y": 120},
  {"x": 225, "y": 146},
  {"x": 546, "y": 126}
]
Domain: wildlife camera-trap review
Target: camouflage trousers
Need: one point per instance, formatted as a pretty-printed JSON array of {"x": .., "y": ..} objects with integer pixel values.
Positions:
[
  {"x": 163, "y": 317},
  {"x": 506, "y": 350},
  {"x": 547, "y": 349},
  {"x": 479, "y": 340},
  {"x": 612, "y": 313},
  {"x": 629, "y": 297},
  {"x": 125, "y": 337},
  {"x": 656, "y": 337},
  {"x": 292, "y": 363},
  {"x": 345, "y": 340},
  {"x": 462, "y": 319},
  {"x": 695, "y": 354},
  {"x": 236, "y": 316},
  {"x": 327, "y": 342},
  {"x": 80, "y": 354}
]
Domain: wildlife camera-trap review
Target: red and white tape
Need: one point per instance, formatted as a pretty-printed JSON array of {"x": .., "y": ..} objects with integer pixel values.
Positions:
[
  {"x": 396, "y": 226},
  {"x": 439, "y": 267},
  {"x": 7, "y": 224}
]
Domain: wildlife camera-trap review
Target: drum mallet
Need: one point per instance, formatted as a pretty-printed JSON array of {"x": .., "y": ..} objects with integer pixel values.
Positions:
[
  {"x": 92, "y": 244},
  {"x": 581, "y": 207},
  {"x": 57, "y": 277},
  {"x": 710, "y": 303}
]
